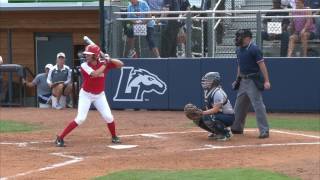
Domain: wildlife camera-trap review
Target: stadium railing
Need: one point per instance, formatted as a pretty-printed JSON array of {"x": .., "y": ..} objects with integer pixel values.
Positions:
[{"x": 202, "y": 42}]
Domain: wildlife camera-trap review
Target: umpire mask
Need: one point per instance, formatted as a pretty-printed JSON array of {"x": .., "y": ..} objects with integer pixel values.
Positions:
[
  {"x": 240, "y": 35},
  {"x": 210, "y": 80}
]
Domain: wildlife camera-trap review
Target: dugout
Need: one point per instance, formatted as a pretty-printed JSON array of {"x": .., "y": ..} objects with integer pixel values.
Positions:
[{"x": 32, "y": 35}]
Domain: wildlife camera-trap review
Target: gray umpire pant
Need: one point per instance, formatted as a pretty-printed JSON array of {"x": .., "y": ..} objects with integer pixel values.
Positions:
[{"x": 248, "y": 92}]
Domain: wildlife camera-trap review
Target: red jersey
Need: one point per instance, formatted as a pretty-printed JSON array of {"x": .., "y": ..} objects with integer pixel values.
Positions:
[{"x": 94, "y": 85}]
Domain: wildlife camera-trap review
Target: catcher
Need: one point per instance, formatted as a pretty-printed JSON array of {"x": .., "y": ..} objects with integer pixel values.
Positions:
[{"x": 219, "y": 114}]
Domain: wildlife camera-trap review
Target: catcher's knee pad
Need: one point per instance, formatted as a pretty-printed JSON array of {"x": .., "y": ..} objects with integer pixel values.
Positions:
[
  {"x": 202, "y": 124},
  {"x": 209, "y": 122},
  {"x": 219, "y": 127}
]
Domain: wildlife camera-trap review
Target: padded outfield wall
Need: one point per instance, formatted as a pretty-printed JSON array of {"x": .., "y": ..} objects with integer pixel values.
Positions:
[{"x": 169, "y": 84}]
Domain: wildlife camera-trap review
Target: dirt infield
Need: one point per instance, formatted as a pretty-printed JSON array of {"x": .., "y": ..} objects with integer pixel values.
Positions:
[{"x": 163, "y": 140}]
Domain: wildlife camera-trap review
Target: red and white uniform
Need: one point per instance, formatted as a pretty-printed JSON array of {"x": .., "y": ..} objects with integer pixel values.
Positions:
[{"x": 92, "y": 91}]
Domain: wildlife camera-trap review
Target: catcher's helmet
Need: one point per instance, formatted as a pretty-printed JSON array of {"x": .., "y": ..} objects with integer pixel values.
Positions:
[
  {"x": 210, "y": 80},
  {"x": 92, "y": 49},
  {"x": 240, "y": 35}
]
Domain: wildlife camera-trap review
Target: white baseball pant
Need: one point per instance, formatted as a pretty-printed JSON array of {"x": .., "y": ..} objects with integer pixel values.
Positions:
[{"x": 98, "y": 100}]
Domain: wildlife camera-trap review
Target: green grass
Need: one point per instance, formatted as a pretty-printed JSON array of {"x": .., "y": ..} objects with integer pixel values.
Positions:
[
  {"x": 230, "y": 174},
  {"x": 12, "y": 126},
  {"x": 300, "y": 124},
  {"x": 282, "y": 122}
]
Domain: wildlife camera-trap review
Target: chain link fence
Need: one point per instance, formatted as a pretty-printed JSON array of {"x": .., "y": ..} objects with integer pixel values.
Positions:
[{"x": 212, "y": 34}]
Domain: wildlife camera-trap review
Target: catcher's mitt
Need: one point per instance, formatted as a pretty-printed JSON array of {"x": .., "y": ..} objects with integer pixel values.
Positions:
[{"x": 192, "y": 112}]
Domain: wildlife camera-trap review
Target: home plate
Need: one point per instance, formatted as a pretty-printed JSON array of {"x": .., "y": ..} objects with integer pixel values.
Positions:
[{"x": 122, "y": 146}]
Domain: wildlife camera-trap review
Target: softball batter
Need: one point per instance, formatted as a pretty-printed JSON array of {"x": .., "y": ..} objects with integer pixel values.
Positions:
[{"x": 94, "y": 73}]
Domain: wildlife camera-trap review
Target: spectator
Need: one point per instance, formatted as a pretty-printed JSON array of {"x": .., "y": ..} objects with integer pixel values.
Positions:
[
  {"x": 303, "y": 28},
  {"x": 317, "y": 20},
  {"x": 220, "y": 28},
  {"x": 155, "y": 5},
  {"x": 315, "y": 4},
  {"x": 284, "y": 36},
  {"x": 289, "y": 3},
  {"x": 169, "y": 36},
  {"x": 181, "y": 36},
  {"x": 43, "y": 89},
  {"x": 59, "y": 80},
  {"x": 205, "y": 5},
  {"x": 140, "y": 6}
]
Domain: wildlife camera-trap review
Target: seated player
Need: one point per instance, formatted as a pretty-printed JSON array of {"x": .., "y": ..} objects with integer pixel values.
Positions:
[
  {"x": 219, "y": 114},
  {"x": 59, "y": 80},
  {"x": 43, "y": 89}
]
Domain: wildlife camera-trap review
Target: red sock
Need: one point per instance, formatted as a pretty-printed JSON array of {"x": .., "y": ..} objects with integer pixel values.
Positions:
[
  {"x": 112, "y": 128},
  {"x": 68, "y": 129}
]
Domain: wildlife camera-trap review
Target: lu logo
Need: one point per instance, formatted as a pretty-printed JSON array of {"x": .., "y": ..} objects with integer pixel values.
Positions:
[{"x": 135, "y": 83}]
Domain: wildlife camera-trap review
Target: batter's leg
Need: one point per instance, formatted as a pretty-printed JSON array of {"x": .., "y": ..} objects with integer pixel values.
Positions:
[
  {"x": 83, "y": 108},
  {"x": 241, "y": 109},
  {"x": 102, "y": 106}
]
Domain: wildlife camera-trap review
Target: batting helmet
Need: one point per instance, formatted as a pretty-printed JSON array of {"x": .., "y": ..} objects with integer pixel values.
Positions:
[
  {"x": 240, "y": 35},
  {"x": 92, "y": 49},
  {"x": 210, "y": 80}
]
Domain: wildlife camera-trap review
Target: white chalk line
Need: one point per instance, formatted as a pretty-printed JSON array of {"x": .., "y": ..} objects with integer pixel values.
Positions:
[
  {"x": 153, "y": 136},
  {"x": 201, "y": 131},
  {"x": 157, "y": 136},
  {"x": 24, "y": 144},
  {"x": 296, "y": 134},
  {"x": 286, "y": 132},
  {"x": 74, "y": 159},
  {"x": 213, "y": 147}
]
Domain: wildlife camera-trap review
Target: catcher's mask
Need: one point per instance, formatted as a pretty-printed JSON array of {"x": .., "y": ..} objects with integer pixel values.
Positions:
[
  {"x": 240, "y": 35},
  {"x": 210, "y": 80}
]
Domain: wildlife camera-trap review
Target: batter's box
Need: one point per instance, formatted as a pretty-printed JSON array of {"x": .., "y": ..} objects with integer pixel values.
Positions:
[
  {"x": 278, "y": 138},
  {"x": 197, "y": 140},
  {"x": 20, "y": 159}
]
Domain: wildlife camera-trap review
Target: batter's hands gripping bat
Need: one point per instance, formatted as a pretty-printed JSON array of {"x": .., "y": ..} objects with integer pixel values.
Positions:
[{"x": 88, "y": 41}]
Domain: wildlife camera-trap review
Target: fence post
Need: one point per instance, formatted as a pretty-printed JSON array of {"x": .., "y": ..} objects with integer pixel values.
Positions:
[
  {"x": 189, "y": 35},
  {"x": 10, "y": 83},
  {"x": 115, "y": 33},
  {"x": 202, "y": 39},
  {"x": 233, "y": 6},
  {"x": 211, "y": 33},
  {"x": 258, "y": 34},
  {"x": 102, "y": 26}
]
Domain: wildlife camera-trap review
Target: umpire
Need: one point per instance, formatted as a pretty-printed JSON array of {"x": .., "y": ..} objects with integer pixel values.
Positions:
[{"x": 252, "y": 79}]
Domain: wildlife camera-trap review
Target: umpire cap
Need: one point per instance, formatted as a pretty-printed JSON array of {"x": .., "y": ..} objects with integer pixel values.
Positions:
[
  {"x": 244, "y": 33},
  {"x": 240, "y": 35}
]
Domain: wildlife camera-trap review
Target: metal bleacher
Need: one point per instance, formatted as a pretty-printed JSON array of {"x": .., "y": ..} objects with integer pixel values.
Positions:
[
  {"x": 227, "y": 48},
  {"x": 270, "y": 48}
]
